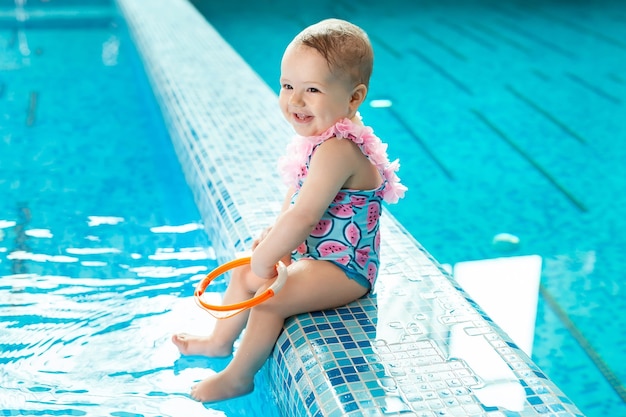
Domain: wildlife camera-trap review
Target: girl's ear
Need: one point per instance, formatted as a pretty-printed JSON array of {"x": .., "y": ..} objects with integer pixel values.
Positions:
[{"x": 358, "y": 96}]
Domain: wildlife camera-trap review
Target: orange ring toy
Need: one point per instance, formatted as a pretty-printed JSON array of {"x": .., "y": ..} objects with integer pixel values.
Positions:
[{"x": 229, "y": 310}]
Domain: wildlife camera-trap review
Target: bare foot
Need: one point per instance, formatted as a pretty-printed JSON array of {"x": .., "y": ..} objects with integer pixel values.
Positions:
[
  {"x": 189, "y": 344},
  {"x": 219, "y": 387}
]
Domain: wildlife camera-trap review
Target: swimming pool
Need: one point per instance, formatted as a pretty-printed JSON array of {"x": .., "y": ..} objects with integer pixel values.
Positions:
[
  {"x": 101, "y": 241},
  {"x": 356, "y": 358},
  {"x": 516, "y": 130},
  {"x": 416, "y": 346}
]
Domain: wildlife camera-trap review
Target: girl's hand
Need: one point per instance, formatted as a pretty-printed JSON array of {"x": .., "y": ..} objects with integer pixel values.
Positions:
[
  {"x": 266, "y": 273},
  {"x": 260, "y": 239},
  {"x": 261, "y": 269}
]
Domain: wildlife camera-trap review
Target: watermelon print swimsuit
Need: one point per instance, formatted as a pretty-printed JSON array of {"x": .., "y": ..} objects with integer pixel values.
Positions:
[{"x": 348, "y": 233}]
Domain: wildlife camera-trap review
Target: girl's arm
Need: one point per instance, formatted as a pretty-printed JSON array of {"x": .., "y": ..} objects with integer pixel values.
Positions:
[
  {"x": 285, "y": 206},
  {"x": 332, "y": 164}
]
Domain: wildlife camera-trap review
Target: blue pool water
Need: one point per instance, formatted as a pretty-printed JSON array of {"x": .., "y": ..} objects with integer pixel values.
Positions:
[
  {"x": 100, "y": 239},
  {"x": 508, "y": 117}
]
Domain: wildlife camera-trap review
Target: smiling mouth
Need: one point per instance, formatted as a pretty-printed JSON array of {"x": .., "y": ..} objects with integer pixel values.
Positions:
[{"x": 300, "y": 117}]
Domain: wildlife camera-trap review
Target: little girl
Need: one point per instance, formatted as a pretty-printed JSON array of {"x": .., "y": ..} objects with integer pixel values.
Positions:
[{"x": 327, "y": 232}]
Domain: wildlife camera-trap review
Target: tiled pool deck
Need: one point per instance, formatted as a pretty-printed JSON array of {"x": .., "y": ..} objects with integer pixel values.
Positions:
[{"x": 417, "y": 346}]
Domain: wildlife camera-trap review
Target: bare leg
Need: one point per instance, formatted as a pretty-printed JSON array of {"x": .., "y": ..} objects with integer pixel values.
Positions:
[
  {"x": 312, "y": 285},
  {"x": 220, "y": 342}
]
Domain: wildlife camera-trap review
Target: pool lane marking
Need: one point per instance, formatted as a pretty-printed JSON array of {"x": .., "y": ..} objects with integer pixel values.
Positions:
[
  {"x": 531, "y": 161},
  {"x": 546, "y": 114},
  {"x": 498, "y": 35},
  {"x": 581, "y": 29},
  {"x": 386, "y": 46},
  {"x": 442, "y": 71},
  {"x": 19, "y": 266},
  {"x": 467, "y": 34},
  {"x": 438, "y": 42},
  {"x": 615, "y": 77},
  {"x": 573, "y": 26},
  {"x": 433, "y": 65},
  {"x": 32, "y": 108},
  {"x": 597, "y": 360},
  {"x": 538, "y": 39},
  {"x": 594, "y": 89},
  {"x": 423, "y": 144},
  {"x": 12, "y": 39}
]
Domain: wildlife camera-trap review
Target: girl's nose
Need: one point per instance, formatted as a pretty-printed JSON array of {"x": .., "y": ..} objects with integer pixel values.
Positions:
[{"x": 296, "y": 99}]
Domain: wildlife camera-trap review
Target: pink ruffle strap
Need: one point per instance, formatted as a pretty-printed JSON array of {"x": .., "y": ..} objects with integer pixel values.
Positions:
[{"x": 292, "y": 166}]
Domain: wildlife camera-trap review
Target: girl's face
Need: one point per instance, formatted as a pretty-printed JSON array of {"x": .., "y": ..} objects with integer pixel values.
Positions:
[{"x": 311, "y": 98}]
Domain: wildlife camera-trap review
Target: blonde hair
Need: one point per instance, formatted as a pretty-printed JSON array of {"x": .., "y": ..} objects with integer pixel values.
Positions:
[{"x": 345, "y": 47}]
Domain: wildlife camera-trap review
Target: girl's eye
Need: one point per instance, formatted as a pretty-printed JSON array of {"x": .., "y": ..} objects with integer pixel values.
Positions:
[
  {"x": 287, "y": 87},
  {"x": 313, "y": 90}
]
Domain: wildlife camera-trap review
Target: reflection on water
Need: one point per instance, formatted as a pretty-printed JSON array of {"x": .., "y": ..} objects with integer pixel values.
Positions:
[{"x": 87, "y": 332}]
